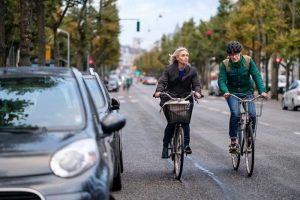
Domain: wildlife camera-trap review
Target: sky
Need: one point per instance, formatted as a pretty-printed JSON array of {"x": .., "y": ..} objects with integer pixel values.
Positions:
[{"x": 158, "y": 17}]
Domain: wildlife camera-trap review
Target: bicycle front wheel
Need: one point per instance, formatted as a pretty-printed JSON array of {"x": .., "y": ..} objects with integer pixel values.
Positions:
[
  {"x": 178, "y": 152},
  {"x": 249, "y": 150},
  {"x": 236, "y": 156}
]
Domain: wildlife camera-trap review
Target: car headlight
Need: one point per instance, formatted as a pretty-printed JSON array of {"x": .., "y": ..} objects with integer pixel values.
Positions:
[{"x": 74, "y": 158}]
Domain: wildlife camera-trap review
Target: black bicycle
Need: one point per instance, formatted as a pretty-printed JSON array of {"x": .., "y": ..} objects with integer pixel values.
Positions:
[
  {"x": 246, "y": 135},
  {"x": 178, "y": 111}
]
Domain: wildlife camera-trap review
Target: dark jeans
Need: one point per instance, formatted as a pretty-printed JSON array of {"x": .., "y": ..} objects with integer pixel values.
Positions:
[
  {"x": 169, "y": 132},
  {"x": 234, "y": 107}
]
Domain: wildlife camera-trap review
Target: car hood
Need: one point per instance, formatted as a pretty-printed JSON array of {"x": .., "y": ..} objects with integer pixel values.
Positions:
[{"x": 30, "y": 154}]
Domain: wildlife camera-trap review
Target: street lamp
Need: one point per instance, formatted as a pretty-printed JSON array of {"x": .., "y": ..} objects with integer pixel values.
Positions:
[{"x": 68, "y": 36}]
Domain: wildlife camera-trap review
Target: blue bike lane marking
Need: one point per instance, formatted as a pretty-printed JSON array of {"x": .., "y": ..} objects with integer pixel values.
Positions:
[{"x": 210, "y": 174}]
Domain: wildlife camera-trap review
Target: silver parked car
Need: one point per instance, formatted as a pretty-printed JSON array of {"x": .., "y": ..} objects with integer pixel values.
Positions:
[{"x": 291, "y": 98}]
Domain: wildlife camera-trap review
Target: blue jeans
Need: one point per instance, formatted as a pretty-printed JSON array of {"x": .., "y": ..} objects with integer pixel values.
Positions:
[{"x": 234, "y": 107}]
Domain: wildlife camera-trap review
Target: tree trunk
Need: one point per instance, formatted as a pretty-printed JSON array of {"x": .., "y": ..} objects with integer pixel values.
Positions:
[
  {"x": 55, "y": 47},
  {"x": 287, "y": 68},
  {"x": 2, "y": 33},
  {"x": 41, "y": 31},
  {"x": 82, "y": 44},
  {"x": 274, "y": 87},
  {"x": 25, "y": 32}
]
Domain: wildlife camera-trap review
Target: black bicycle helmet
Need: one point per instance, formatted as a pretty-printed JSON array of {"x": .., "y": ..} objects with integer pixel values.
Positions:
[{"x": 234, "y": 47}]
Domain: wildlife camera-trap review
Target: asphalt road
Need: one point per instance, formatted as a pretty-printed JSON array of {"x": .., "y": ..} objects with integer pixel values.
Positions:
[{"x": 208, "y": 172}]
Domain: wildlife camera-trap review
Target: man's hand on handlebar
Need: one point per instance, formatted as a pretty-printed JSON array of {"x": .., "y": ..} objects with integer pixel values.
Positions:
[
  {"x": 264, "y": 95},
  {"x": 226, "y": 95}
]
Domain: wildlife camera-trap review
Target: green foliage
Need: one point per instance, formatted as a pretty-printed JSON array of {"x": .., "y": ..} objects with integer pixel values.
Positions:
[
  {"x": 149, "y": 62},
  {"x": 107, "y": 46}
]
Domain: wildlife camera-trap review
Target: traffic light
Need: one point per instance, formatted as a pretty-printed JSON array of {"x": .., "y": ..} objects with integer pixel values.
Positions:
[
  {"x": 278, "y": 60},
  {"x": 138, "y": 26},
  {"x": 91, "y": 63},
  {"x": 209, "y": 33}
]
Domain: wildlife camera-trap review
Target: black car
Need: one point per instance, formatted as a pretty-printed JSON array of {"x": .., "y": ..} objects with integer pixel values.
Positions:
[
  {"x": 52, "y": 145},
  {"x": 104, "y": 105}
]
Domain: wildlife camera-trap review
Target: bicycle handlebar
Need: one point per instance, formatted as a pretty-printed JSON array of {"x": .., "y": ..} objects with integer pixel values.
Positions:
[
  {"x": 247, "y": 100},
  {"x": 178, "y": 99}
]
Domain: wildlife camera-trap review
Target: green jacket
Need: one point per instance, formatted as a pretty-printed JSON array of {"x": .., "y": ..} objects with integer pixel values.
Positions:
[{"x": 238, "y": 79}]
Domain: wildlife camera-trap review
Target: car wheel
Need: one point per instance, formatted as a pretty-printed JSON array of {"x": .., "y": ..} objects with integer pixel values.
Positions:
[
  {"x": 293, "y": 106},
  {"x": 121, "y": 161},
  {"x": 117, "y": 183},
  {"x": 283, "y": 105}
]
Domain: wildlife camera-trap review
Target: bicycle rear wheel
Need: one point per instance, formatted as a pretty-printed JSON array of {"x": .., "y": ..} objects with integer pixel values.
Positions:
[
  {"x": 236, "y": 157},
  {"x": 178, "y": 152},
  {"x": 249, "y": 150}
]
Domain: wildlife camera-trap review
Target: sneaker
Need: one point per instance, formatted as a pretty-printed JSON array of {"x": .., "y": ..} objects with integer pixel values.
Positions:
[
  {"x": 234, "y": 148},
  {"x": 188, "y": 149},
  {"x": 165, "y": 153}
]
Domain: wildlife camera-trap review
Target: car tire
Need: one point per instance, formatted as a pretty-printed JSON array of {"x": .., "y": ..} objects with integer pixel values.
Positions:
[
  {"x": 283, "y": 106},
  {"x": 117, "y": 182},
  {"x": 293, "y": 106},
  {"x": 121, "y": 161}
]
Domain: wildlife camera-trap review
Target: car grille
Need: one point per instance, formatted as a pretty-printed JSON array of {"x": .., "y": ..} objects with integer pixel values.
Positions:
[{"x": 18, "y": 196}]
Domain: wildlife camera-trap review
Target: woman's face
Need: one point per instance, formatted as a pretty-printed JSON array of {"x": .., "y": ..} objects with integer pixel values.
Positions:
[{"x": 183, "y": 57}]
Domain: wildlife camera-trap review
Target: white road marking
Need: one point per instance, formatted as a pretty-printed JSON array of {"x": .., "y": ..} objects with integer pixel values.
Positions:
[
  {"x": 122, "y": 101},
  {"x": 264, "y": 123},
  {"x": 133, "y": 100},
  {"x": 225, "y": 113},
  {"x": 213, "y": 109},
  {"x": 120, "y": 97},
  {"x": 297, "y": 133}
]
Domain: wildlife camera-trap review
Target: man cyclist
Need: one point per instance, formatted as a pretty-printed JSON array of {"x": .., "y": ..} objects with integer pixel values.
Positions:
[
  {"x": 178, "y": 79},
  {"x": 235, "y": 78}
]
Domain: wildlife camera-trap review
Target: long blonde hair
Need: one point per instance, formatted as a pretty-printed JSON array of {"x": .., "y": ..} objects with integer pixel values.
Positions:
[{"x": 173, "y": 56}]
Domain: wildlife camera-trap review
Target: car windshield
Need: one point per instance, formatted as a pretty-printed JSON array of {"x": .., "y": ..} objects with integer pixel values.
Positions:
[
  {"x": 50, "y": 102},
  {"x": 97, "y": 95}
]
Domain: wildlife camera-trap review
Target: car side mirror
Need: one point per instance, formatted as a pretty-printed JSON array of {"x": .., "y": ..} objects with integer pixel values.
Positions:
[
  {"x": 113, "y": 122},
  {"x": 115, "y": 104}
]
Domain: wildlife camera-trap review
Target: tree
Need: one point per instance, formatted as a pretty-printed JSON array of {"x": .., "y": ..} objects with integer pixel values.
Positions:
[
  {"x": 41, "y": 31},
  {"x": 2, "y": 33},
  {"x": 106, "y": 46},
  {"x": 25, "y": 32},
  {"x": 57, "y": 17}
]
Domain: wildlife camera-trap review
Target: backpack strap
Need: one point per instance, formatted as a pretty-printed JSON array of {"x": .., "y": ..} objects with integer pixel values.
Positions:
[
  {"x": 247, "y": 64},
  {"x": 247, "y": 58},
  {"x": 226, "y": 63}
]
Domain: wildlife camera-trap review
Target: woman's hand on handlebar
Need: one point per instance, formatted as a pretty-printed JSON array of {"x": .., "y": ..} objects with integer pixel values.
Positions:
[
  {"x": 198, "y": 95},
  {"x": 156, "y": 94}
]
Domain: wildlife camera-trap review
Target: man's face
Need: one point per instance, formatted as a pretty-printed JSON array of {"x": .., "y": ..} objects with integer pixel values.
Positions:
[
  {"x": 183, "y": 58},
  {"x": 235, "y": 57}
]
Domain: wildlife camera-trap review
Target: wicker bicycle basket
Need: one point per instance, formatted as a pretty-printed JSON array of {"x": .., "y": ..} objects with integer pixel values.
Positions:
[{"x": 178, "y": 112}]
